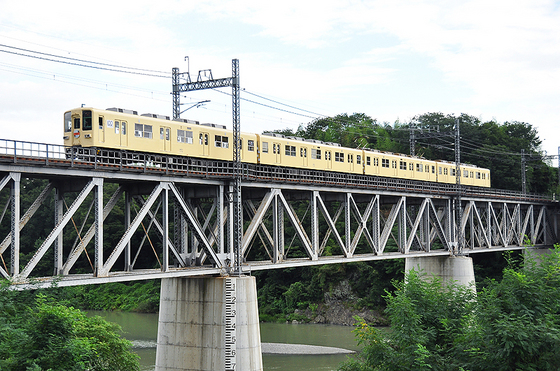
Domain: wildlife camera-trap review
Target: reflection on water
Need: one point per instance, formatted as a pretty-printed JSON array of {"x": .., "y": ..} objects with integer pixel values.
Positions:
[{"x": 141, "y": 329}]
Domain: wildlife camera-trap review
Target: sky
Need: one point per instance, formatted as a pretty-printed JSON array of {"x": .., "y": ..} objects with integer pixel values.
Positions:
[{"x": 298, "y": 60}]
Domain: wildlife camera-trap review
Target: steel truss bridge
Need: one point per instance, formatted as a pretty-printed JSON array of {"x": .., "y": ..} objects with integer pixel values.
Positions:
[{"x": 123, "y": 216}]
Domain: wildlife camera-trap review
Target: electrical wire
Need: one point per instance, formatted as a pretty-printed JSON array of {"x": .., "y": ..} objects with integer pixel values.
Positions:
[
  {"x": 80, "y": 60},
  {"x": 283, "y": 104},
  {"x": 81, "y": 65}
]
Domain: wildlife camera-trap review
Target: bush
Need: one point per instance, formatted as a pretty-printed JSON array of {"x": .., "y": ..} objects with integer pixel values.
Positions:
[{"x": 511, "y": 324}]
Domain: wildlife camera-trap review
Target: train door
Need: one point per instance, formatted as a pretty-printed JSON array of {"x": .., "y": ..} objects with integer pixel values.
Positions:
[
  {"x": 351, "y": 162},
  {"x": 76, "y": 128},
  {"x": 123, "y": 134},
  {"x": 203, "y": 139},
  {"x": 303, "y": 154},
  {"x": 101, "y": 135},
  {"x": 276, "y": 151},
  {"x": 165, "y": 138}
]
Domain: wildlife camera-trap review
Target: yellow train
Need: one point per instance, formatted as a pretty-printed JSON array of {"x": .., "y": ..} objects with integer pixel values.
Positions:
[{"x": 124, "y": 129}]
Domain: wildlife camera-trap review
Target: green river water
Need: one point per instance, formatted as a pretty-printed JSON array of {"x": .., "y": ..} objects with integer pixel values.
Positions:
[{"x": 141, "y": 329}]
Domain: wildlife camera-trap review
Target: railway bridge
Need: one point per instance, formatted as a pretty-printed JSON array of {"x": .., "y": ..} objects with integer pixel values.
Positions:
[{"x": 122, "y": 216}]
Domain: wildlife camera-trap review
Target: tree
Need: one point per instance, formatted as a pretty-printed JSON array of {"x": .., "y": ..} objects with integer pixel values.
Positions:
[{"x": 51, "y": 336}]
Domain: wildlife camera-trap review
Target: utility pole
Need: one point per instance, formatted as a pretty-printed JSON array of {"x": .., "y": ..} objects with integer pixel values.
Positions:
[
  {"x": 523, "y": 172},
  {"x": 412, "y": 139},
  {"x": 176, "y": 93},
  {"x": 458, "y": 188},
  {"x": 206, "y": 81}
]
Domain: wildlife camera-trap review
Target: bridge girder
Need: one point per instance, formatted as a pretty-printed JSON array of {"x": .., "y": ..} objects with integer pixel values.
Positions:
[{"x": 188, "y": 224}]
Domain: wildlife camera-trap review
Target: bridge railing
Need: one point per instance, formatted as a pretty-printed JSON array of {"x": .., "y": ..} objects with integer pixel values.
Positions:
[{"x": 42, "y": 151}]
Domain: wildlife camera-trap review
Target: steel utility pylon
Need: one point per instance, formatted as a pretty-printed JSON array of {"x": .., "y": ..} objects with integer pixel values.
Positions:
[{"x": 211, "y": 83}]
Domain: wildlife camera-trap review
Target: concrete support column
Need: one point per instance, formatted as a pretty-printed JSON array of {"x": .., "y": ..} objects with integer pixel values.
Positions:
[
  {"x": 536, "y": 254},
  {"x": 448, "y": 268},
  {"x": 209, "y": 323}
]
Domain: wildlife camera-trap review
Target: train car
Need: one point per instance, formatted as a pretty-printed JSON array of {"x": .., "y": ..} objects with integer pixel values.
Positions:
[
  {"x": 277, "y": 149},
  {"x": 470, "y": 174},
  {"x": 397, "y": 165},
  {"x": 124, "y": 129}
]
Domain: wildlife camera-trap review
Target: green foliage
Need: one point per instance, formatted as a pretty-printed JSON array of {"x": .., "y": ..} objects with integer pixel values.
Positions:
[
  {"x": 140, "y": 296},
  {"x": 511, "y": 324},
  {"x": 50, "y": 336},
  {"x": 281, "y": 292}
]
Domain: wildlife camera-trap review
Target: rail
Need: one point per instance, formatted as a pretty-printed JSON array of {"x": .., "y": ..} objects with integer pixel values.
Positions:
[{"x": 43, "y": 154}]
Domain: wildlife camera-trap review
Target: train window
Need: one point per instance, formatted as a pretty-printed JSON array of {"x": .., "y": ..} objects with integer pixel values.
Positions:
[
  {"x": 141, "y": 130},
  {"x": 123, "y": 127},
  {"x": 452, "y": 172},
  {"x": 402, "y": 165},
  {"x": 274, "y": 148},
  {"x": 316, "y": 154},
  {"x": 358, "y": 159},
  {"x": 290, "y": 150},
  {"x": 328, "y": 155},
  {"x": 394, "y": 164},
  {"x": 88, "y": 121},
  {"x": 478, "y": 175},
  {"x": 445, "y": 171},
  {"x": 483, "y": 176},
  {"x": 410, "y": 166},
  {"x": 77, "y": 123},
  {"x": 117, "y": 127},
  {"x": 221, "y": 141},
  {"x": 67, "y": 121},
  {"x": 368, "y": 160},
  {"x": 161, "y": 133},
  {"x": 384, "y": 162},
  {"x": 440, "y": 170},
  {"x": 433, "y": 169},
  {"x": 265, "y": 147},
  {"x": 251, "y": 145},
  {"x": 101, "y": 123},
  {"x": 148, "y": 131},
  {"x": 466, "y": 173},
  {"x": 471, "y": 174},
  {"x": 338, "y": 157},
  {"x": 375, "y": 162},
  {"x": 350, "y": 158},
  {"x": 167, "y": 133},
  {"x": 419, "y": 168},
  {"x": 184, "y": 136}
]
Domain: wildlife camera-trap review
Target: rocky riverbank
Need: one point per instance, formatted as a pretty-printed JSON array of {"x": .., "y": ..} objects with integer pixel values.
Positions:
[{"x": 339, "y": 308}]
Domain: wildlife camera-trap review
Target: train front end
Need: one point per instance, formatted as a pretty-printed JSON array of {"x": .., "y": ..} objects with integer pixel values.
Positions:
[{"x": 79, "y": 128}]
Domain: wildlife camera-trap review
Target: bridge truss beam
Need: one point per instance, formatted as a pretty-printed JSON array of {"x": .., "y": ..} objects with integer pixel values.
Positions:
[{"x": 119, "y": 227}]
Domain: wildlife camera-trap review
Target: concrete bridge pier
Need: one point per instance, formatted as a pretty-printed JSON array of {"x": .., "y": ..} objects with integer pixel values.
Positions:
[
  {"x": 536, "y": 254},
  {"x": 448, "y": 268},
  {"x": 208, "y": 323}
]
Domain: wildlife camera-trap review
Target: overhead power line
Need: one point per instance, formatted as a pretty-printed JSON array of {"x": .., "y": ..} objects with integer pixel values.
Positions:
[
  {"x": 73, "y": 62},
  {"x": 283, "y": 104}
]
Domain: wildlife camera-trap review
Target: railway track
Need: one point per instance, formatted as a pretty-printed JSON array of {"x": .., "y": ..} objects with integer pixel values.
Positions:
[{"x": 50, "y": 155}]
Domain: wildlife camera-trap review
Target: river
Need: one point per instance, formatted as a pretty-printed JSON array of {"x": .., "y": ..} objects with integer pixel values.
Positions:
[{"x": 141, "y": 329}]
